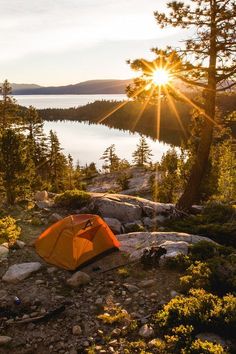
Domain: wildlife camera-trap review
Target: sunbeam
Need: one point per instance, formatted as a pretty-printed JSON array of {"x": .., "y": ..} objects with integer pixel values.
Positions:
[
  {"x": 174, "y": 109},
  {"x": 143, "y": 109},
  {"x": 120, "y": 105}
]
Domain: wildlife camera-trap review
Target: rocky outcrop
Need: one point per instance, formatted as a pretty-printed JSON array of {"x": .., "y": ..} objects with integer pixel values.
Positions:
[
  {"x": 19, "y": 272},
  {"x": 138, "y": 182},
  {"x": 174, "y": 242},
  {"x": 129, "y": 209},
  {"x": 112, "y": 207}
]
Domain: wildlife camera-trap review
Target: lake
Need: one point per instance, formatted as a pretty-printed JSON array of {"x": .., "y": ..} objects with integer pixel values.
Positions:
[{"x": 85, "y": 142}]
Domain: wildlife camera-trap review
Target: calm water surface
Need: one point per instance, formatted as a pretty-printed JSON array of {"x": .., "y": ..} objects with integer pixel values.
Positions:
[
  {"x": 85, "y": 142},
  {"x": 63, "y": 101}
]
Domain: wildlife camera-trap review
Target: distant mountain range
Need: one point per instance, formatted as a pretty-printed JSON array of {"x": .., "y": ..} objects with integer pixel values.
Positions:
[{"x": 90, "y": 87}]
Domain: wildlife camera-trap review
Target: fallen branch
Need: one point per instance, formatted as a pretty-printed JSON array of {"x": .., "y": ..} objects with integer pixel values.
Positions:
[{"x": 45, "y": 317}]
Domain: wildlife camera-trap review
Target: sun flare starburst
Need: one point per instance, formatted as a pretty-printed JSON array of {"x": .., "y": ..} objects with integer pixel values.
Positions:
[{"x": 160, "y": 77}]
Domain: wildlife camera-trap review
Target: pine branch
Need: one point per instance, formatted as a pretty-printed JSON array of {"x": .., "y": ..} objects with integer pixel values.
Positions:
[{"x": 226, "y": 88}]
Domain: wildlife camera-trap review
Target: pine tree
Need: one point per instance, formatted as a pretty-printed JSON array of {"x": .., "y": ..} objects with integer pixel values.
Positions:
[
  {"x": 142, "y": 155},
  {"x": 33, "y": 125},
  {"x": 111, "y": 159},
  {"x": 168, "y": 186},
  {"x": 70, "y": 172},
  {"x": 227, "y": 171},
  {"x": 207, "y": 63},
  {"x": 15, "y": 165},
  {"x": 57, "y": 163},
  {"x": 8, "y": 107}
]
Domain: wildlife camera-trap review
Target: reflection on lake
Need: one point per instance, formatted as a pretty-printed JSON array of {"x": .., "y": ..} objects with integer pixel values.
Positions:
[{"x": 87, "y": 143}]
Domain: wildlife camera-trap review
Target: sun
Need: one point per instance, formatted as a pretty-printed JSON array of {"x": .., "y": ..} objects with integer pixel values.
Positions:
[{"x": 160, "y": 77}]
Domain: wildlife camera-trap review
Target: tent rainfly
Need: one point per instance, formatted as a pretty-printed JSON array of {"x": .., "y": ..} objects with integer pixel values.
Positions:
[{"x": 75, "y": 241}]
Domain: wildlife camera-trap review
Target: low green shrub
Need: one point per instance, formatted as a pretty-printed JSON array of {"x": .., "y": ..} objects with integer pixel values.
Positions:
[
  {"x": 198, "y": 276},
  {"x": 223, "y": 274},
  {"x": 204, "y": 347},
  {"x": 123, "y": 180},
  {"x": 201, "y": 310},
  {"x": 115, "y": 315},
  {"x": 123, "y": 272},
  {"x": 223, "y": 233},
  {"x": 180, "y": 338},
  {"x": 180, "y": 262},
  {"x": 72, "y": 199},
  {"x": 218, "y": 212},
  {"x": 204, "y": 250},
  {"x": 9, "y": 231}
]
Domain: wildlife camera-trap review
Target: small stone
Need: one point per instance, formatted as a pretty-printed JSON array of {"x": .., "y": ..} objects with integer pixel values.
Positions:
[
  {"x": 76, "y": 330},
  {"x": 78, "y": 279},
  {"x": 73, "y": 351},
  {"x": 5, "y": 340},
  {"x": 173, "y": 293},
  {"x": 54, "y": 218},
  {"x": 18, "y": 272},
  {"x": 51, "y": 270},
  {"x": 99, "y": 303},
  {"x": 10, "y": 321},
  {"x": 131, "y": 288},
  {"x": 116, "y": 332},
  {"x": 41, "y": 196},
  {"x": 147, "y": 283},
  {"x": 128, "y": 301},
  {"x": 4, "y": 251},
  {"x": 20, "y": 244},
  {"x": 86, "y": 343},
  {"x": 34, "y": 314},
  {"x": 39, "y": 282},
  {"x": 24, "y": 317},
  {"x": 146, "y": 331},
  {"x": 3, "y": 294}
]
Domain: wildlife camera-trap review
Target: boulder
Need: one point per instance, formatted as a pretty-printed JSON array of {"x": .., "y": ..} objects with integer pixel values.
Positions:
[
  {"x": 146, "y": 331},
  {"x": 41, "y": 196},
  {"x": 174, "y": 248},
  {"x": 4, "y": 251},
  {"x": 174, "y": 242},
  {"x": 123, "y": 211},
  {"x": 78, "y": 279},
  {"x": 18, "y": 272},
  {"x": 114, "y": 224}
]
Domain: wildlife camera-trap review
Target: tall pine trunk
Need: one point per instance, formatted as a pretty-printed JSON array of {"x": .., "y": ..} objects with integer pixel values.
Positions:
[{"x": 192, "y": 190}]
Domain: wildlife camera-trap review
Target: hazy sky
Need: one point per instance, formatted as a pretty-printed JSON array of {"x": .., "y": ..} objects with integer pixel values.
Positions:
[{"x": 54, "y": 42}]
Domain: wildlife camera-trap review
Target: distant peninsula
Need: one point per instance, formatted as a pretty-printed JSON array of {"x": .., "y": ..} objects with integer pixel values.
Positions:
[{"x": 91, "y": 87}]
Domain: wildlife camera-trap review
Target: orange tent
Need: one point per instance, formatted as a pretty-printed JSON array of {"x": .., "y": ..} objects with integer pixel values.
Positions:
[{"x": 75, "y": 240}]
